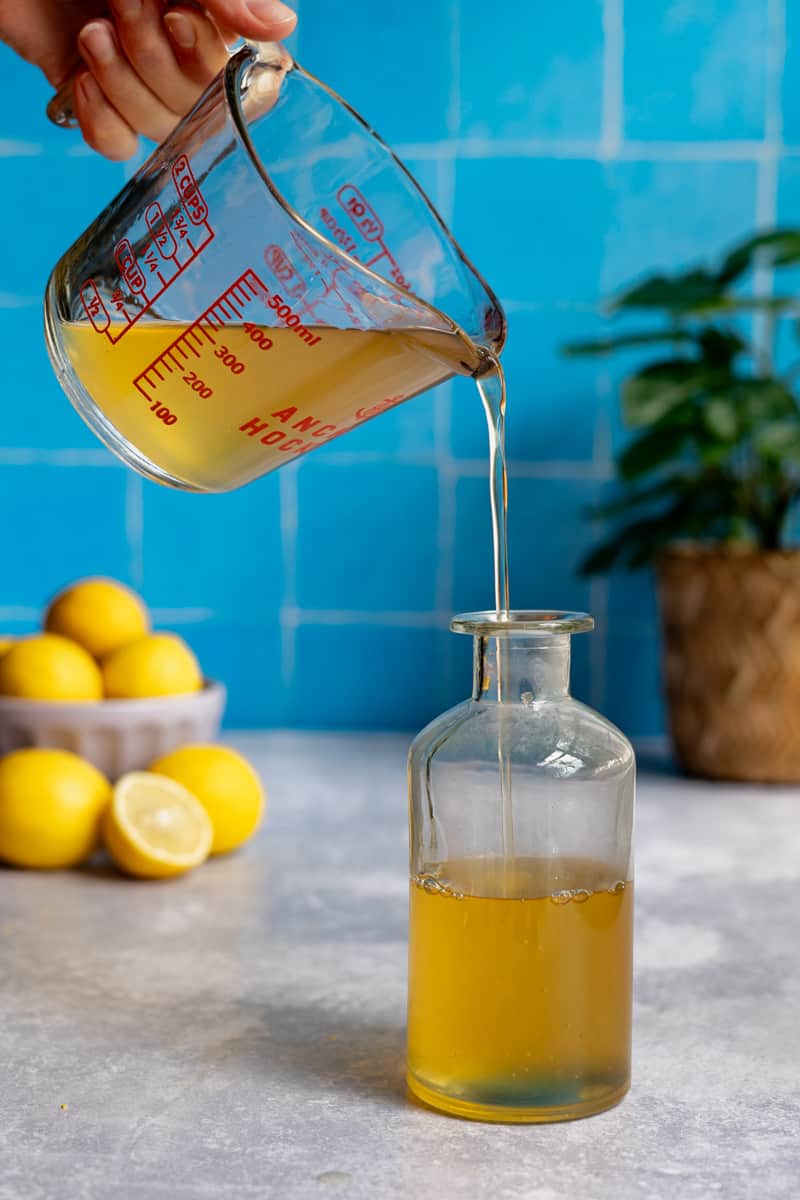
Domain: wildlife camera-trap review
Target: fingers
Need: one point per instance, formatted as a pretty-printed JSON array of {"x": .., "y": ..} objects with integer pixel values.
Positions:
[
  {"x": 159, "y": 61},
  {"x": 149, "y": 67},
  {"x": 198, "y": 47},
  {"x": 102, "y": 126},
  {"x": 122, "y": 88},
  {"x": 264, "y": 20}
]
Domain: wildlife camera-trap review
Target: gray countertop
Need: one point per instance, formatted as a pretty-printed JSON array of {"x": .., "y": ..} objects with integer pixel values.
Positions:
[{"x": 239, "y": 1033}]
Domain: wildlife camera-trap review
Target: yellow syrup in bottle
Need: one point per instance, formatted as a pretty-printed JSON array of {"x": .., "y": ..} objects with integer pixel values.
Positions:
[{"x": 520, "y": 988}]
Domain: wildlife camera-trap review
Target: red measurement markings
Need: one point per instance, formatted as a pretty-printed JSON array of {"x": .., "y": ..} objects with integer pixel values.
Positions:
[
  {"x": 360, "y": 213},
  {"x": 280, "y": 265},
  {"x": 369, "y": 226},
  {"x": 228, "y": 309},
  {"x": 164, "y": 257},
  {"x": 162, "y": 234},
  {"x": 324, "y": 269},
  {"x": 93, "y": 306},
  {"x": 189, "y": 192},
  {"x": 373, "y": 410},
  {"x": 129, "y": 267}
]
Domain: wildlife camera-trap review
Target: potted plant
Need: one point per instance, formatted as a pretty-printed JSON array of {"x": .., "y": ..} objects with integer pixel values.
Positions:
[{"x": 707, "y": 488}]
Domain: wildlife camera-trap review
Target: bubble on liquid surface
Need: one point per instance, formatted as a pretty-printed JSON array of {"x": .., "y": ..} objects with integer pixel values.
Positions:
[
  {"x": 431, "y": 883},
  {"x": 617, "y": 887},
  {"x": 578, "y": 895}
]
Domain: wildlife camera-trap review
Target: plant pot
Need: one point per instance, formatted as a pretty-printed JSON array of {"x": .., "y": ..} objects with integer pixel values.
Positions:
[{"x": 731, "y": 622}]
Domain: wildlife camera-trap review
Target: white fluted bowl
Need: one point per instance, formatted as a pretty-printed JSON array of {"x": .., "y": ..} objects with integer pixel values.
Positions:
[{"x": 116, "y": 735}]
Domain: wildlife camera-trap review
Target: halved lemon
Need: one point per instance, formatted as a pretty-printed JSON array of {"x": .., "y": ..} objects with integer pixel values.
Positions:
[{"x": 155, "y": 828}]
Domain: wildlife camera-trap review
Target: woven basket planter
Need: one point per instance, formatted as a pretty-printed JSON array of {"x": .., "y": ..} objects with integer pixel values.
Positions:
[{"x": 731, "y": 621}]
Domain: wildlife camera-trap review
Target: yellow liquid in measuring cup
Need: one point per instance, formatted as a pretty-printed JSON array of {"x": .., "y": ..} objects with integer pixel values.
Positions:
[
  {"x": 519, "y": 1003},
  {"x": 216, "y": 415}
]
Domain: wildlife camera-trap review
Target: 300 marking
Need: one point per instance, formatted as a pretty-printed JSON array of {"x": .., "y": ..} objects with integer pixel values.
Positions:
[{"x": 229, "y": 360}]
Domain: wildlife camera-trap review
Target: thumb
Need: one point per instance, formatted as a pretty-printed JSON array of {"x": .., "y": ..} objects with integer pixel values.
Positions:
[{"x": 261, "y": 20}]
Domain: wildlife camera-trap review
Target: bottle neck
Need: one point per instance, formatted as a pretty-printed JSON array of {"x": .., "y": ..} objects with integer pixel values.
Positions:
[{"x": 521, "y": 669}]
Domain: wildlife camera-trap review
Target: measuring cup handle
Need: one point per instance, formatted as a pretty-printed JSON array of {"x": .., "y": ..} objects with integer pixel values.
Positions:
[{"x": 61, "y": 109}]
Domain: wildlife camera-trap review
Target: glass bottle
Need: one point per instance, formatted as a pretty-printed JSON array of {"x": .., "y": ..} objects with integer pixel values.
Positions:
[{"x": 521, "y": 912}]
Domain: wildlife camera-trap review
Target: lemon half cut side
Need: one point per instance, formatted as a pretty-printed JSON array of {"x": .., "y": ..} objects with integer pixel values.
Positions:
[{"x": 155, "y": 828}]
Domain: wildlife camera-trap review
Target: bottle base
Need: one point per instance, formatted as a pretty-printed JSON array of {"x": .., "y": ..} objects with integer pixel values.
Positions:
[{"x": 539, "y": 1114}]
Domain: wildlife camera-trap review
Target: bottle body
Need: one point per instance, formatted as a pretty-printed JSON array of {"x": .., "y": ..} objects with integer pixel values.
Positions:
[{"x": 521, "y": 896}]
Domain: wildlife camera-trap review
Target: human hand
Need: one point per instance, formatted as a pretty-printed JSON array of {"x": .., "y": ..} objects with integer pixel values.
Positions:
[{"x": 146, "y": 63}]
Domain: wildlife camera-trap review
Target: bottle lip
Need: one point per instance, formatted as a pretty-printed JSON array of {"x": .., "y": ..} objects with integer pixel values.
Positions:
[{"x": 517, "y": 621}]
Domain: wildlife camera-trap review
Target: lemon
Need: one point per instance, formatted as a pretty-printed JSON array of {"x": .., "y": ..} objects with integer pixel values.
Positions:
[
  {"x": 6, "y": 643},
  {"x": 155, "y": 828},
  {"x": 160, "y": 664},
  {"x": 51, "y": 802},
  {"x": 99, "y": 614},
  {"x": 49, "y": 667},
  {"x": 225, "y": 784}
]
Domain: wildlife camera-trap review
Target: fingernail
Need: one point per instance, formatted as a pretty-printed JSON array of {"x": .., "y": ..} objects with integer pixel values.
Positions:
[
  {"x": 96, "y": 40},
  {"x": 270, "y": 11},
  {"x": 181, "y": 30},
  {"x": 127, "y": 9}
]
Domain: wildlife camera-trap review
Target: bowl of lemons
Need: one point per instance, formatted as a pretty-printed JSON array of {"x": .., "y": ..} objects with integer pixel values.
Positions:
[{"x": 98, "y": 682}]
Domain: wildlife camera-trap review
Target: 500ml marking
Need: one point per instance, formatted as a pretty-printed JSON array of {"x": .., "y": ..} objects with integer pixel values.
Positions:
[{"x": 201, "y": 344}]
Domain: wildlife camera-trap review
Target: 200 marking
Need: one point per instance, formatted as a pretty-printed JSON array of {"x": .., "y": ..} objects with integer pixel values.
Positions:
[{"x": 198, "y": 385}]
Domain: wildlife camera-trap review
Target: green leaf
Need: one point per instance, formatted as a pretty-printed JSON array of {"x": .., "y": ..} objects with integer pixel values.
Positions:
[
  {"x": 779, "y": 440},
  {"x": 778, "y": 248},
  {"x": 652, "y": 449},
  {"x": 649, "y": 394},
  {"x": 609, "y": 345},
  {"x": 761, "y": 400},
  {"x": 720, "y": 346},
  {"x": 713, "y": 454},
  {"x": 758, "y": 303},
  {"x": 678, "y": 293},
  {"x": 721, "y": 418}
]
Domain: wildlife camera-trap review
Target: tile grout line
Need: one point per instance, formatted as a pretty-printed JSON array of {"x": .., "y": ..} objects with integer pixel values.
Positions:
[
  {"x": 627, "y": 150},
  {"x": 30, "y": 456},
  {"x": 598, "y": 648},
  {"x": 444, "y": 582},
  {"x": 767, "y": 170},
  {"x": 288, "y": 492},
  {"x": 776, "y": 61},
  {"x": 453, "y": 115},
  {"x": 543, "y": 469},
  {"x": 134, "y": 526},
  {"x": 611, "y": 137},
  {"x": 293, "y": 616}
]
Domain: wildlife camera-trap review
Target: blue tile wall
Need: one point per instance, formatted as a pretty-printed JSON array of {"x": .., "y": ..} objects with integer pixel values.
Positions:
[
  {"x": 572, "y": 148},
  {"x": 533, "y": 225},
  {"x": 543, "y": 86},
  {"x": 695, "y": 71}
]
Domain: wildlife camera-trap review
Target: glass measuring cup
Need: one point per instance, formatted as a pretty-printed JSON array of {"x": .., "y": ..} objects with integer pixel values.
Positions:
[{"x": 269, "y": 279}]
